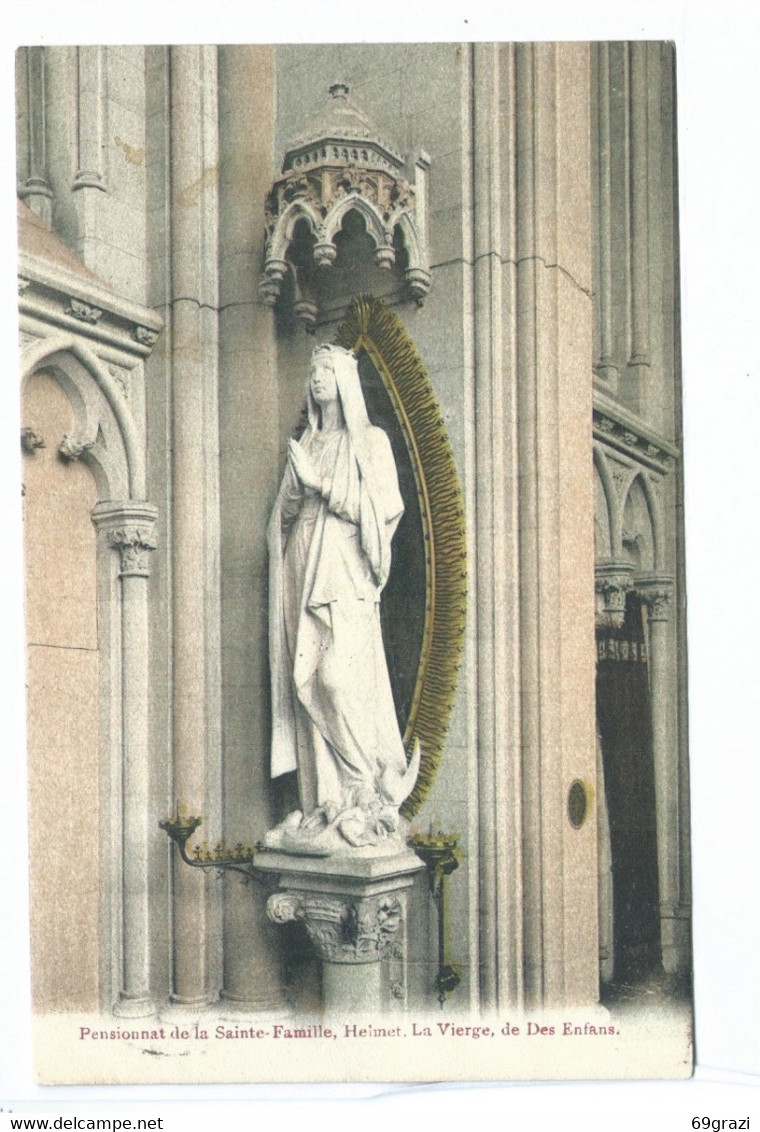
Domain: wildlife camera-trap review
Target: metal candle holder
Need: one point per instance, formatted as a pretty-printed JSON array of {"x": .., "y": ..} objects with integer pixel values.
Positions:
[
  {"x": 441, "y": 854},
  {"x": 439, "y": 851},
  {"x": 237, "y": 858}
]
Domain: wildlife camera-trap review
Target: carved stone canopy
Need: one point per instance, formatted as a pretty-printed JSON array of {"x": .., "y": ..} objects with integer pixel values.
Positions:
[{"x": 342, "y": 166}]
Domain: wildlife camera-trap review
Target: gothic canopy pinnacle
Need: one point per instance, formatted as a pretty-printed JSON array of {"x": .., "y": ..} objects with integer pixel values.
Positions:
[{"x": 341, "y": 164}]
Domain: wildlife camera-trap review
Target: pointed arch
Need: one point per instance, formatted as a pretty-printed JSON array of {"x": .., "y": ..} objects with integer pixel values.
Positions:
[
  {"x": 614, "y": 512},
  {"x": 653, "y": 512},
  {"x": 655, "y": 519},
  {"x": 376, "y": 227},
  {"x": 52, "y": 351},
  {"x": 282, "y": 235},
  {"x": 412, "y": 241},
  {"x": 648, "y": 526},
  {"x": 109, "y": 439}
]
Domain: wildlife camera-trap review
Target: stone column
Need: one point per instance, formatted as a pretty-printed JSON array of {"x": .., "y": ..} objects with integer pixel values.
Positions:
[
  {"x": 130, "y": 529},
  {"x": 352, "y": 909},
  {"x": 249, "y": 472},
  {"x": 532, "y": 551},
  {"x": 35, "y": 187},
  {"x": 492, "y": 490},
  {"x": 90, "y": 115},
  {"x": 639, "y": 361},
  {"x": 657, "y": 594},
  {"x": 604, "y": 366},
  {"x": 553, "y": 378},
  {"x": 195, "y": 506}
]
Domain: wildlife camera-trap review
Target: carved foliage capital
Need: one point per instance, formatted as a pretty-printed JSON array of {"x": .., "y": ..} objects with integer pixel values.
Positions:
[
  {"x": 133, "y": 541},
  {"x": 283, "y": 907},
  {"x": 657, "y": 597},
  {"x": 612, "y": 585},
  {"x": 131, "y": 529},
  {"x": 354, "y": 930}
]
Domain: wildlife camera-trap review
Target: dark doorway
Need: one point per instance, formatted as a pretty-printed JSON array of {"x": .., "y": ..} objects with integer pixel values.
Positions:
[{"x": 625, "y": 727}]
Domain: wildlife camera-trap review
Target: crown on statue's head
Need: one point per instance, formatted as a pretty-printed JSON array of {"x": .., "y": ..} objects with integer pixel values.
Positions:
[{"x": 330, "y": 348}]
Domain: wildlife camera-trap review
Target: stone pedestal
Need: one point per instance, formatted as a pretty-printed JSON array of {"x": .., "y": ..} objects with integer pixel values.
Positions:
[{"x": 352, "y": 908}]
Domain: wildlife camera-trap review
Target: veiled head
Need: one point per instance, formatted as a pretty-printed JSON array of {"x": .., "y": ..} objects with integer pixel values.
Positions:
[
  {"x": 334, "y": 372},
  {"x": 322, "y": 384}
]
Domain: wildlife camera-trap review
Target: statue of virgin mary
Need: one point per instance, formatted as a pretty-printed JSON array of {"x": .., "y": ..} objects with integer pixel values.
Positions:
[{"x": 333, "y": 718}]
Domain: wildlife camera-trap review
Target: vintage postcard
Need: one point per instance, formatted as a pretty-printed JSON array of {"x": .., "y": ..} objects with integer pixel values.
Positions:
[{"x": 351, "y": 438}]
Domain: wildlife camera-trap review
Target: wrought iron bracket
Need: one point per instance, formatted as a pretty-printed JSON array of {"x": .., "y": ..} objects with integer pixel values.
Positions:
[
  {"x": 223, "y": 858},
  {"x": 442, "y": 855}
]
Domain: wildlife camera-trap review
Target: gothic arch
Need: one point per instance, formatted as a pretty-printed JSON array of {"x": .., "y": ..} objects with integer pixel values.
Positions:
[
  {"x": 655, "y": 518},
  {"x": 412, "y": 241},
  {"x": 108, "y": 437},
  {"x": 119, "y": 466},
  {"x": 283, "y": 232},
  {"x": 647, "y": 523},
  {"x": 376, "y": 228},
  {"x": 64, "y": 635},
  {"x": 613, "y": 510}
]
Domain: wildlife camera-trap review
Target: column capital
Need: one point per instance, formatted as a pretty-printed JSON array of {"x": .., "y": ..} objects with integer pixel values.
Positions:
[
  {"x": 357, "y": 930},
  {"x": 657, "y": 594},
  {"x": 612, "y": 582},
  {"x": 131, "y": 529}
]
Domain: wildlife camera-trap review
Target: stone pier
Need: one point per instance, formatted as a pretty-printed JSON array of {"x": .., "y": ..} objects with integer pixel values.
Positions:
[{"x": 352, "y": 908}]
